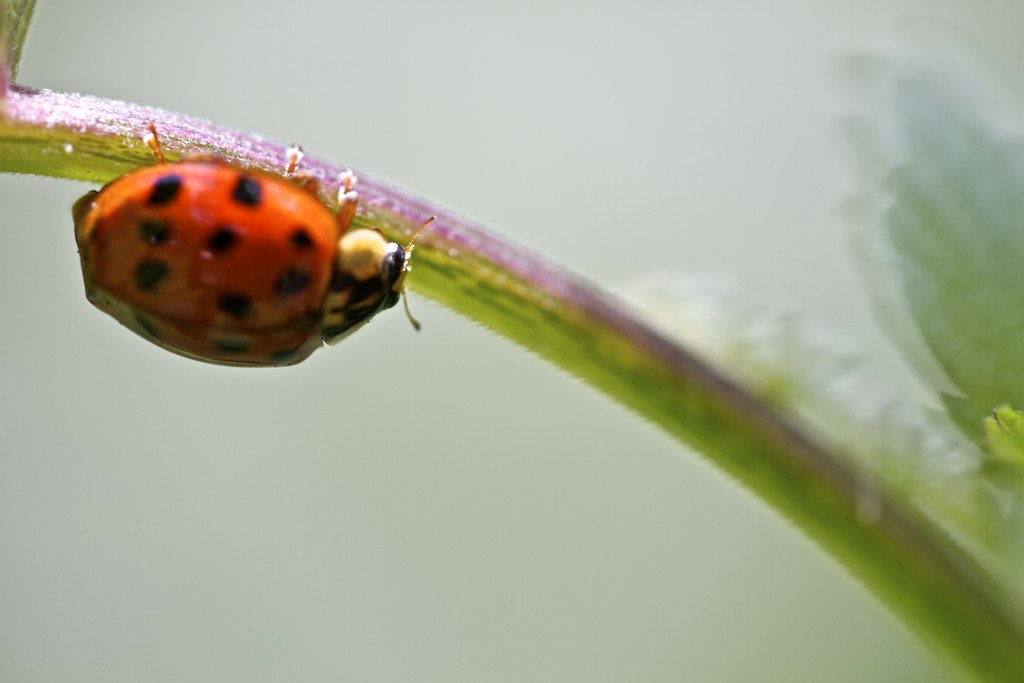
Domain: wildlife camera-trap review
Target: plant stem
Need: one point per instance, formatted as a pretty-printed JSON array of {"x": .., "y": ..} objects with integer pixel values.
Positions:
[{"x": 926, "y": 578}]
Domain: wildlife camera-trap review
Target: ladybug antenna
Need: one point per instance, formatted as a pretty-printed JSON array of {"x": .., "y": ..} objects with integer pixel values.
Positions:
[
  {"x": 408, "y": 314},
  {"x": 408, "y": 252},
  {"x": 416, "y": 236},
  {"x": 152, "y": 140}
]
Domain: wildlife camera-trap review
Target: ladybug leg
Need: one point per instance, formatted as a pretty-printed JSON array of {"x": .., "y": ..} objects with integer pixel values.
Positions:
[
  {"x": 152, "y": 141},
  {"x": 348, "y": 199},
  {"x": 294, "y": 158},
  {"x": 307, "y": 181}
]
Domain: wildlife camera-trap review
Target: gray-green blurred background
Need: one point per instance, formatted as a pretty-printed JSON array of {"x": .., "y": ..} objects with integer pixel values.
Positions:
[{"x": 441, "y": 507}]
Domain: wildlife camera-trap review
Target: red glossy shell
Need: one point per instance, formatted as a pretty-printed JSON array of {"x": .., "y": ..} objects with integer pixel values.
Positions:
[{"x": 209, "y": 260}]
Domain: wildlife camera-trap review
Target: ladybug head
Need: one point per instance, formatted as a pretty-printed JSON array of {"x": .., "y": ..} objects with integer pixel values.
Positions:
[{"x": 369, "y": 277}]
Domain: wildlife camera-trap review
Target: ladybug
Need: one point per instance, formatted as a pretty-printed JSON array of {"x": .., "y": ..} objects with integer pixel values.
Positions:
[{"x": 231, "y": 265}]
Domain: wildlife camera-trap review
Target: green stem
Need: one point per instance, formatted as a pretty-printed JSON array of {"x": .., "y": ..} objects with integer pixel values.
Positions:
[{"x": 926, "y": 578}]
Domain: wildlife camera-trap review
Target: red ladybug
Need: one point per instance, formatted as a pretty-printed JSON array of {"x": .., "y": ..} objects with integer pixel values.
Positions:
[{"x": 231, "y": 265}]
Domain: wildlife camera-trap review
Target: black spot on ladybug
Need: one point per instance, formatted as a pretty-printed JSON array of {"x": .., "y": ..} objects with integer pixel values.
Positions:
[
  {"x": 154, "y": 231},
  {"x": 237, "y": 305},
  {"x": 231, "y": 345},
  {"x": 149, "y": 274},
  {"x": 300, "y": 239},
  {"x": 222, "y": 240},
  {"x": 165, "y": 189},
  {"x": 247, "y": 191},
  {"x": 292, "y": 281}
]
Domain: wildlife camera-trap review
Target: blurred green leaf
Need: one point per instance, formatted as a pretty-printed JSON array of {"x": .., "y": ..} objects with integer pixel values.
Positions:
[
  {"x": 957, "y": 226},
  {"x": 17, "y": 18}
]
